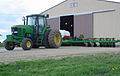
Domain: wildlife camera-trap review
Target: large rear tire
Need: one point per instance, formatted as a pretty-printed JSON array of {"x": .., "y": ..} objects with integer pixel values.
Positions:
[
  {"x": 27, "y": 44},
  {"x": 9, "y": 45},
  {"x": 54, "y": 39},
  {"x": 45, "y": 41}
]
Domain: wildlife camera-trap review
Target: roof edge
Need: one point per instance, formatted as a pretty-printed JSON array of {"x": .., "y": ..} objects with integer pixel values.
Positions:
[
  {"x": 67, "y": 0},
  {"x": 54, "y": 6},
  {"x": 85, "y": 13},
  {"x": 109, "y": 1}
]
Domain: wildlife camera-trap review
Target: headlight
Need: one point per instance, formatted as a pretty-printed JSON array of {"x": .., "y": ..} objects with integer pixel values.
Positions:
[{"x": 15, "y": 32}]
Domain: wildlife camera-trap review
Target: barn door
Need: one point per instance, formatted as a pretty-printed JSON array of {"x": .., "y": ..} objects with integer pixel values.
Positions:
[{"x": 67, "y": 23}]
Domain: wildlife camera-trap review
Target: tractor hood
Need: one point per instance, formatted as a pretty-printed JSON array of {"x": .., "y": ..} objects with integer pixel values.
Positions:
[
  {"x": 21, "y": 30},
  {"x": 23, "y": 26}
]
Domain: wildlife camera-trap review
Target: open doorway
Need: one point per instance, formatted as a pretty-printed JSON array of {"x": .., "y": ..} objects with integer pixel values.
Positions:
[{"x": 67, "y": 23}]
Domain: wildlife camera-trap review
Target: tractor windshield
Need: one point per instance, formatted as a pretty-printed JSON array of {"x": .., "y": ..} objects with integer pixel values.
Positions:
[
  {"x": 36, "y": 20},
  {"x": 31, "y": 20}
]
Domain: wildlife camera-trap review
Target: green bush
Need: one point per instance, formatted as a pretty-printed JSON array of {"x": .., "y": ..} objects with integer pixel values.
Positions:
[{"x": 1, "y": 45}]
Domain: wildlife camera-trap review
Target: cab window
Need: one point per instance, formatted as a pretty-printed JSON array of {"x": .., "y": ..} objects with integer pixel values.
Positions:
[
  {"x": 41, "y": 21},
  {"x": 31, "y": 20}
]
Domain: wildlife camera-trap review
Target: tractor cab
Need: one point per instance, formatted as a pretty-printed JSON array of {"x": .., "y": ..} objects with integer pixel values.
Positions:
[
  {"x": 38, "y": 21},
  {"x": 39, "y": 24}
]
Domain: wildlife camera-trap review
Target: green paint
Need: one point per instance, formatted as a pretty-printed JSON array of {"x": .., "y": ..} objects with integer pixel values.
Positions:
[
  {"x": 22, "y": 30},
  {"x": 36, "y": 15},
  {"x": 87, "y": 41}
]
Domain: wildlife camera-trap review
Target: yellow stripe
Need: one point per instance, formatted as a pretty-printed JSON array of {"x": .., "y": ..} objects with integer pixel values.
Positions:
[{"x": 23, "y": 27}]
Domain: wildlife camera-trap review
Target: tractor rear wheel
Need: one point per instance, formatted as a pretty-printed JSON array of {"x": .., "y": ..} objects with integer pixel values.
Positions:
[
  {"x": 54, "y": 39},
  {"x": 9, "y": 45},
  {"x": 27, "y": 44},
  {"x": 45, "y": 41}
]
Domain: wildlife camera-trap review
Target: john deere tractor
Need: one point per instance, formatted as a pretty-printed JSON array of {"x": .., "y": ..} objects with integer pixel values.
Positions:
[{"x": 34, "y": 33}]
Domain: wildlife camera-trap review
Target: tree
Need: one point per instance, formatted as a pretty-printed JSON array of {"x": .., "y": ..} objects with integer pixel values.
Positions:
[{"x": 0, "y": 35}]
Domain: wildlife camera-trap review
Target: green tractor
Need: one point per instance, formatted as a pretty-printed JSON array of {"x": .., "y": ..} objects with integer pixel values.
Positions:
[{"x": 34, "y": 33}]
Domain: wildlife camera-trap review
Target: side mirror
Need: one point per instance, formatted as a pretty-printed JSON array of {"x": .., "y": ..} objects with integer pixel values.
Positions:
[
  {"x": 47, "y": 16},
  {"x": 23, "y": 19}
]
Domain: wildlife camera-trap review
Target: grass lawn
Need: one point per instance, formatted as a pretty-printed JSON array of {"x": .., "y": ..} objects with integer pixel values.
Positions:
[
  {"x": 1, "y": 45},
  {"x": 102, "y": 65}
]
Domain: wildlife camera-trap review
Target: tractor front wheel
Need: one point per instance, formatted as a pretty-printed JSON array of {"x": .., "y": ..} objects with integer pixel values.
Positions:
[
  {"x": 9, "y": 45},
  {"x": 27, "y": 44}
]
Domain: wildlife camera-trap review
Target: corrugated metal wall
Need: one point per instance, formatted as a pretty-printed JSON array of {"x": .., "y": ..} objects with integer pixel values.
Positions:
[
  {"x": 54, "y": 22},
  {"x": 106, "y": 24},
  {"x": 83, "y": 24}
]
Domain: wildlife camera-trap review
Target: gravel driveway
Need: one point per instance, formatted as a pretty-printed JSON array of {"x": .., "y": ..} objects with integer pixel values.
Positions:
[{"x": 42, "y": 53}]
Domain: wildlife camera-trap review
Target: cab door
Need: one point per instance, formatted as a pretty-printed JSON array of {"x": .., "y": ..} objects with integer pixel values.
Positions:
[{"x": 41, "y": 23}]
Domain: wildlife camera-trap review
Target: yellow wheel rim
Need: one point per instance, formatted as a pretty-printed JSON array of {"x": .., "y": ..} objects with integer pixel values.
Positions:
[
  {"x": 11, "y": 45},
  {"x": 28, "y": 44},
  {"x": 57, "y": 38}
]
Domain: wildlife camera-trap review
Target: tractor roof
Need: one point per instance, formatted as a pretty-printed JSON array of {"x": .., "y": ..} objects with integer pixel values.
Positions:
[{"x": 35, "y": 15}]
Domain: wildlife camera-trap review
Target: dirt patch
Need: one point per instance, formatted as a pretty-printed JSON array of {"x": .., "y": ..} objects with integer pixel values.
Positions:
[{"x": 18, "y": 54}]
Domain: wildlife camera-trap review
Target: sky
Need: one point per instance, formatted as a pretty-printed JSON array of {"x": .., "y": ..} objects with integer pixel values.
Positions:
[{"x": 12, "y": 11}]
